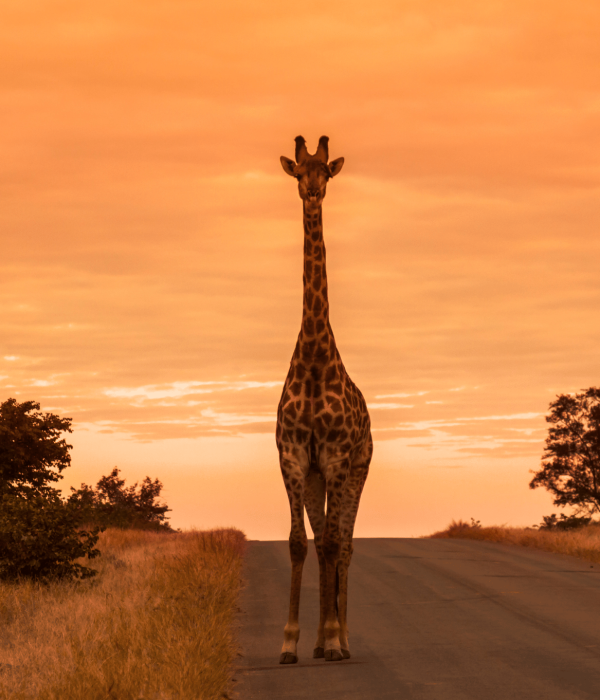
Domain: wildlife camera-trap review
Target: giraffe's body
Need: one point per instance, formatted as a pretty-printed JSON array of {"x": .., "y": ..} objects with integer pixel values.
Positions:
[{"x": 323, "y": 430}]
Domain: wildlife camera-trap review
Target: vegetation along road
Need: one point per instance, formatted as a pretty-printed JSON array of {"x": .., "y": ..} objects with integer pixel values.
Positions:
[{"x": 430, "y": 619}]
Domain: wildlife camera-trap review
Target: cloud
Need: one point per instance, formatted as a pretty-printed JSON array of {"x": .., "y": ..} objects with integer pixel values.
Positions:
[
  {"x": 514, "y": 416},
  {"x": 389, "y": 406},
  {"x": 232, "y": 419},
  {"x": 179, "y": 389}
]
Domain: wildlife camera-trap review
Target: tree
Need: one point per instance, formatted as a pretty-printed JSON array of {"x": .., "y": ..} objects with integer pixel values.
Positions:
[
  {"x": 32, "y": 451},
  {"x": 571, "y": 461},
  {"x": 112, "y": 504},
  {"x": 40, "y": 534}
]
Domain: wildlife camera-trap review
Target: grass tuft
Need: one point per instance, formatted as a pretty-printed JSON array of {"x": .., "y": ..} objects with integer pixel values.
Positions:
[
  {"x": 583, "y": 542},
  {"x": 156, "y": 623}
]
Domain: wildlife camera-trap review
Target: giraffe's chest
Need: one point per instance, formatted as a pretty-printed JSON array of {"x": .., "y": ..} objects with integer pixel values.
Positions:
[{"x": 329, "y": 410}]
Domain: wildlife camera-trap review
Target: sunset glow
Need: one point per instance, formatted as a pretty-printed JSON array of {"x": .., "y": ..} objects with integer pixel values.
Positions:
[{"x": 151, "y": 265}]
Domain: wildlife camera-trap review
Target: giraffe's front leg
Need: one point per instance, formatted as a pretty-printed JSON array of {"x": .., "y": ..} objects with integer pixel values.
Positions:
[
  {"x": 343, "y": 600},
  {"x": 293, "y": 476},
  {"x": 336, "y": 478},
  {"x": 333, "y": 648},
  {"x": 354, "y": 486},
  {"x": 319, "y": 649},
  {"x": 314, "y": 500},
  {"x": 291, "y": 633}
]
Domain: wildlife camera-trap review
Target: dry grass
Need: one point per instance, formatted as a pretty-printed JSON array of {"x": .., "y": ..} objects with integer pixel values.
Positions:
[
  {"x": 583, "y": 542},
  {"x": 156, "y": 623}
]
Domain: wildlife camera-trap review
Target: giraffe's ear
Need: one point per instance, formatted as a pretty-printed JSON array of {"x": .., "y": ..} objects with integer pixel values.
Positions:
[
  {"x": 288, "y": 165},
  {"x": 335, "y": 166}
]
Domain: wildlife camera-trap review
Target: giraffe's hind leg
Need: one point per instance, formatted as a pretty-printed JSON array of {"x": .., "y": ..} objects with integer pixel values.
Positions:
[
  {"x": 314, "y": 500},
  {"x": 294, "y": 469},
  {"x": 336, "y": 476},
  {"x": 353, "y": 491}
]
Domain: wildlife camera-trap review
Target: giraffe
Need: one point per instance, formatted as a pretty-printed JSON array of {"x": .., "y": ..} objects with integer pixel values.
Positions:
[{"x": 323, "y": 430}]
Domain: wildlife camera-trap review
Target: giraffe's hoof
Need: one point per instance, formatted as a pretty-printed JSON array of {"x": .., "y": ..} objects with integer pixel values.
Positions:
[
  {"x": 333, "y": 655},
  {"x": 318, "y": 653},
  {"x": 288, "y": 658},
  {"x": 346, "y": 653}
]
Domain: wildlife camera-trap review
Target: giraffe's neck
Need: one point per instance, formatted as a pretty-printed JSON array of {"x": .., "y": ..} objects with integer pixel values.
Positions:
[{"x": 316, "y": 338}]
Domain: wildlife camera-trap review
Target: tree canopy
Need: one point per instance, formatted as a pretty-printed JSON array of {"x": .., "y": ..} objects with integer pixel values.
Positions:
[{"x": 571, "y": 461}]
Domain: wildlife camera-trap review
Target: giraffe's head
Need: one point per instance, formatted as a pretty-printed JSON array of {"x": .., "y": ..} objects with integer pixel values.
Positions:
[{"x": 312, "y": 172}]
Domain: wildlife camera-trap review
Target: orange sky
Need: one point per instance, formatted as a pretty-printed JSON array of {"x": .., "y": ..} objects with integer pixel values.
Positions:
[{"x": 151, "y": 245}]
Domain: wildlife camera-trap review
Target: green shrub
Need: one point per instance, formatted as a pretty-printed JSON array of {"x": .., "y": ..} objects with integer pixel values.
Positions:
[
  {"x": 112, "y": 504},
  {"x": 566, "y": 522},
  {"x": 40, "y": 539}
]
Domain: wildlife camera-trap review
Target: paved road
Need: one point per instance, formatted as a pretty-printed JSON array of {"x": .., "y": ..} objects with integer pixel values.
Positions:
[{"x": 430, "y": 620}]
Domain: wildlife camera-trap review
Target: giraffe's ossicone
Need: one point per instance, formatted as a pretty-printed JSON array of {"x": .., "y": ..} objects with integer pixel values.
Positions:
[{"x": 323, "y": 429}]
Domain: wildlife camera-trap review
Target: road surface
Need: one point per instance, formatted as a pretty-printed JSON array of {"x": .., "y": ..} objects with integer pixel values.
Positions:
[{"x": 429, "y": 620}]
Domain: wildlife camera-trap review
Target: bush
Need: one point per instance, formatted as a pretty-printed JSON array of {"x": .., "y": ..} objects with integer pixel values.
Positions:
[
  {"x": 565, "y": 522},
  {"x": 457, "y": 526},
  {"x": 112, "y": 504},
  {"x": 40, "y": 539}
]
